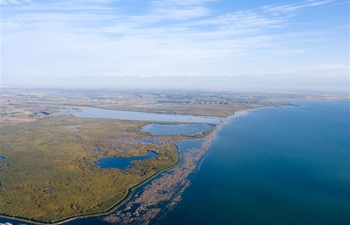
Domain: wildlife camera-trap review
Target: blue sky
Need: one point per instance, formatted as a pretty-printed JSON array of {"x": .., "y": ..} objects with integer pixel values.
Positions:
[{"x": 278, "y": 45}]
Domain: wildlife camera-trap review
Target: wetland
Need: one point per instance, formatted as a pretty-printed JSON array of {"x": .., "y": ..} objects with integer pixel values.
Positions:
[
  {"x": 47, "y": 154},
  {"x": 51, "y": 163}
]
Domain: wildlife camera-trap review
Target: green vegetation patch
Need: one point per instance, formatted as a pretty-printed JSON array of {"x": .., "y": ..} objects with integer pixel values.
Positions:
[{"x": 49, "y": 173}]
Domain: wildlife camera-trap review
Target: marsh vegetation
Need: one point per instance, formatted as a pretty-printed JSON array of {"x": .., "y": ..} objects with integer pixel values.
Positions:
[{"x": 49, "y": 171}]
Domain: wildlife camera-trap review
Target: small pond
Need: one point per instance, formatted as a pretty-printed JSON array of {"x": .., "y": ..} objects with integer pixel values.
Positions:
[
  {"x": 166, "y": 129},
  {"x": 144, "y": 116},
  {"x": 122, "y": 163},
  {"x": 1, "y": 158}
]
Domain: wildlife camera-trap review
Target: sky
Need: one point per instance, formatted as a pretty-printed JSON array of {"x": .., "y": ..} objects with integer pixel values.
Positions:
[{"x": 229, "y": 45}]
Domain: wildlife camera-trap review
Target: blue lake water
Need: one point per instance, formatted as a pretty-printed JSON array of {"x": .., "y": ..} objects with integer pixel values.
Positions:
[
  {"x": 184, "y": 146},
  {"x": 271, "y": 166},
  {"x": 187, "y": 145},
  {"x": 274, "y": 166},
  {"x": 1, "y": 158},
  {"x": 165, "y": 129},
  {"x": 143, "y": 116},
  {"x": 122, "y": 163}
]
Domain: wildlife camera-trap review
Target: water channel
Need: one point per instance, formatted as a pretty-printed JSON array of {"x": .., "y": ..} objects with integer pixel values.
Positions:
[{"x": 143, "y": 116}]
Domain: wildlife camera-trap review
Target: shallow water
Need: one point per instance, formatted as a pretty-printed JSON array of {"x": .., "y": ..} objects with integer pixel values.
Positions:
[
  {"x": 143, "y": 116},
  {"x": 122, "y": 163},
  {"x": 189, "y": 144},
  {"x": 178, "y": 129}
]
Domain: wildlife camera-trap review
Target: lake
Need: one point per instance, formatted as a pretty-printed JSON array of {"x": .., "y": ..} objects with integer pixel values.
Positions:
[
  {"x": 274, "y": 166},
  {"x": 144, "y": 116}
]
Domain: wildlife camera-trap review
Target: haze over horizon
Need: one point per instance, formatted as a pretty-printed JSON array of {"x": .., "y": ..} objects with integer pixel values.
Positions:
[{"x": 194, "y": 44}]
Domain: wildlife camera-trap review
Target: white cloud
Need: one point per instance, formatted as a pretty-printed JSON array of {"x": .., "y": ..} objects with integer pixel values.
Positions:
[
  {"x": 166, "y": 3},
  {"x": 178, "y": 14},
  {"x": 243, "y": 20},
  {"x": 178, "y": 10},
  {"x": 14, "y": 2},
  {"x": 8, "y": 2},
  {"x": 288, "y": 8},
  {"x": 9, "y": 25}
]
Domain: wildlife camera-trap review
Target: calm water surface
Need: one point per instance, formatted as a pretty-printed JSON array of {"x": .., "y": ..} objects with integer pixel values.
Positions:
[
  {"x": 189, "y": 144},
  {"x": 274, "y": 166},
  {"x": 122, "y": 163},
  {"x": 143, "y": 116},
  {"x": 165, "y": 129}
]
